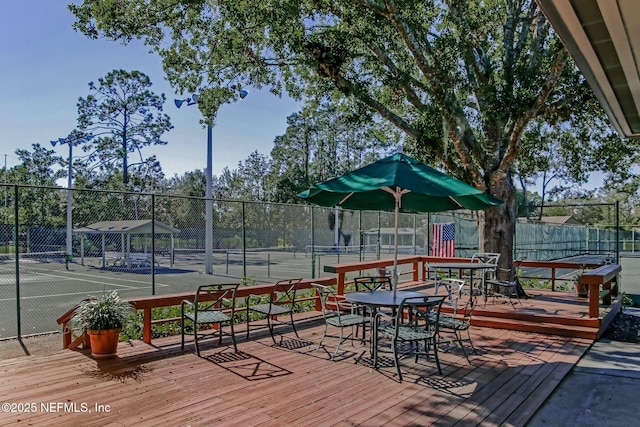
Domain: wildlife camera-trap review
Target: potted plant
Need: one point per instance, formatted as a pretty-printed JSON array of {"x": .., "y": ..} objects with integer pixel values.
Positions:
[
  {"x": 581, "y": 290},
  {"x": 102, "y": 319}
]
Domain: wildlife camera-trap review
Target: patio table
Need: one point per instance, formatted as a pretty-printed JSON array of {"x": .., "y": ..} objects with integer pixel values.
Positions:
[
  {"x": 461, "y": 266},
  {"x": 377, "y": 299}
]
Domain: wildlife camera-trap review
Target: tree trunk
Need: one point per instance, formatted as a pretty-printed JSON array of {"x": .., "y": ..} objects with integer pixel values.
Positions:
[{"x": 496, "y": 226}]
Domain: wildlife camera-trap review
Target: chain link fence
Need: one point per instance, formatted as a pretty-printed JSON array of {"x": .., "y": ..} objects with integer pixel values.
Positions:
[{"x": 147, "y": 244}]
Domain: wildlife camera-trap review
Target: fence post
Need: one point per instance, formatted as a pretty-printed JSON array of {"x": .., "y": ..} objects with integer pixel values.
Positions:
[
  {"x": 617, "y": 231},
  {"x": 313, "y": 246},
  {"x": 361, "y": 236},
  {"x": 378, "y": 249},
  {"x": 415, "y": 232},
  {"x": 153, "y": 244},
  {"x": 16, "y": 246},
  {"x": 244, "y": 243}
]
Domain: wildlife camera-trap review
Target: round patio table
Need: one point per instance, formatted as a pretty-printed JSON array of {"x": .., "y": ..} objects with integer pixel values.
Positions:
[
  {"x": 461, "y": 266},
  {"x": 376, "y": 299}
]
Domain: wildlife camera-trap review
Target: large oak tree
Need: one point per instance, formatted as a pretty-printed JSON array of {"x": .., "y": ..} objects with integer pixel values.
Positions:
[{"x": 461, "y": 78}]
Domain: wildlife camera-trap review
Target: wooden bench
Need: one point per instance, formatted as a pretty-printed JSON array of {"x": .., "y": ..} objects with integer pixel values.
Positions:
[
  {"x": 146, "y": 304},
  {"x": 607, "y": 276}
]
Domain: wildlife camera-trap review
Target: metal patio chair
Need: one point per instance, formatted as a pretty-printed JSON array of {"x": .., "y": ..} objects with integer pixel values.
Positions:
[
  {"x": 459, "y": 320},
  {"x": 210, "y": 307},
  {"x": 282, "y": 302},
  {"x": 508, "y": 288},
  {"x": 370, "y": 283},
  {"x": 480, "y": 279},
  {"x": 413, "y": 330},
  {"x": 338, "y": 314}
]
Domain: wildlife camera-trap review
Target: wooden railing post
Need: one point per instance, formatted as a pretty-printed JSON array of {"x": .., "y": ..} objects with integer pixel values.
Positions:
[
  {"x": 341, "y": 277},
  {"x": 146, "y": 325}
]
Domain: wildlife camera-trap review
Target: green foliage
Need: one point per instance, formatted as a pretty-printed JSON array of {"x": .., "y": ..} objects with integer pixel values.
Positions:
[
  {"x": 235, "y": 242},
  {"x": 325, "y": 139},
  {"x": 40, "y": 205},
  {"x": 460, "y": 81},
  {"x": 133, "y": 328},
  {"x": 535, "y": 283},
  {"x": 123, "y": 116},
  {"x": 577, "y": 275},
  {"x": 625, "y": 302},
  {"x": 109, "y": 311},
  {"x": 248, "y": 281}
]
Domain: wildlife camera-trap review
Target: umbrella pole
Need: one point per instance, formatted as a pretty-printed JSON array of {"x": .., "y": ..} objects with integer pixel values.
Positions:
[{"x": 394, "y": 279}]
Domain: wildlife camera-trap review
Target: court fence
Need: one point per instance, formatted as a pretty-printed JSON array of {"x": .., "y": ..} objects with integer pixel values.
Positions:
[{"x": 147, "y": 244}]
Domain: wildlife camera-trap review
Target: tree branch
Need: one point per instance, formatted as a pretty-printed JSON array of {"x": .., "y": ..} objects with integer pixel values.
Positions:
[{"x": 513, "y": 147}]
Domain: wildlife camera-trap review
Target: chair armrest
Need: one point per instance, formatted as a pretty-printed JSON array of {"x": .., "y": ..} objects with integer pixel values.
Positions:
[
  {"x": 381, "y": 314},
  {"x": 354, "y": 307}
]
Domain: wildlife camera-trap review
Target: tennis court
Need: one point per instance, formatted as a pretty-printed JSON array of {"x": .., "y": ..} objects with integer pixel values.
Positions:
[{"x": 47, "y": 289}]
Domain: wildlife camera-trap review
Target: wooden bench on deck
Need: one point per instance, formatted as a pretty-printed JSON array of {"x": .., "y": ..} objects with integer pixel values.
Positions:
[
  {"x": 147, "y": 303},
  {"x": 607, "y": 276}
]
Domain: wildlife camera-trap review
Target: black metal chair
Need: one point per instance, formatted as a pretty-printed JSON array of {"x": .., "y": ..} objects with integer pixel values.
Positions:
[
  {"x": 210, "y": 307},
  {"x": 339, "y": 314},
  {"x": 480, "y": 278},
  {"x": 370, "y": 283},
  {"x": 459, "y": 321},
  {"x": 452, "y": 286},
  {"x": 413, "y": 330},
  {"x": 282, "y": 302},
  {"x": 508, "y": 288}
]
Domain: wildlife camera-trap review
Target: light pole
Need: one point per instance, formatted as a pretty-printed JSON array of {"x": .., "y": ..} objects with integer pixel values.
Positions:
[
  {"x": 208, "y": 232},
  {"x": 70, "y": 140}
]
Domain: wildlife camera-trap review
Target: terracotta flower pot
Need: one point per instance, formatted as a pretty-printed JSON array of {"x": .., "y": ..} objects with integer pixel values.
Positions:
[
  {"x": 104, "y": 343},
  {"x": 582, "y": 290}
]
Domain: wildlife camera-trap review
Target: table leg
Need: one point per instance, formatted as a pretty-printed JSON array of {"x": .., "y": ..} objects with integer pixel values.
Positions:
[
  {"x": 374, "y": 334},
  {"x": 484, "y": 285}
]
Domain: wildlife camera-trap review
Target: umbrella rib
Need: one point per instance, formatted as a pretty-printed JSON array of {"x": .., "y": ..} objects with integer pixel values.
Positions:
[
  {"x": 455, "y": 201},
  {"x": 345, "y": 199}
]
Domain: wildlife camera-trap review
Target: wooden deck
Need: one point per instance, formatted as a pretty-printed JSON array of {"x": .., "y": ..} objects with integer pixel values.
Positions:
[
  {"x": 547, "y": 312},
  {"x": 289, "y": 384}
]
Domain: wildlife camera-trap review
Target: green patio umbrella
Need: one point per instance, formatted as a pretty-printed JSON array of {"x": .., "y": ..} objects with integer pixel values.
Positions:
[{"x": 398, "y": 183}]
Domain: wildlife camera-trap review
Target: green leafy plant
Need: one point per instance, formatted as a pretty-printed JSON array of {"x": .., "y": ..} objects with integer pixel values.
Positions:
[
  {"x": 109, "y": 311},
  {"x": 534, "y": 282},
  {"x": 625, "y": 302},
  {"x": 578, "y": 274}
]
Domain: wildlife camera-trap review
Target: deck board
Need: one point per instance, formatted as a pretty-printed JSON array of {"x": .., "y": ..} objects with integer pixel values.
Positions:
[{"x": 266, "y": 385}]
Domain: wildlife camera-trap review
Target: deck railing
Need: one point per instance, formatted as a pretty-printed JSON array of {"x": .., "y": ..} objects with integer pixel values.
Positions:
[
  {"x": 148, "y": 303},
  {"x": 550, "y": 269}
]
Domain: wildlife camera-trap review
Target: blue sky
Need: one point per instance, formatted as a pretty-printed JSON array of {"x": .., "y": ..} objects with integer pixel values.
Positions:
[{"x": 45, "y": 66}]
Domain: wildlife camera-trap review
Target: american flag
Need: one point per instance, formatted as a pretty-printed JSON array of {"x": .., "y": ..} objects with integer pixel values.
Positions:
[{"x": 443, "y": 238}]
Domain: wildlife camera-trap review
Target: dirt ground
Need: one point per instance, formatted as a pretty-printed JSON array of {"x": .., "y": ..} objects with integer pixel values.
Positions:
[
  {"x": 626, "y": 327},
  {"x": 30, "y": 346}
]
